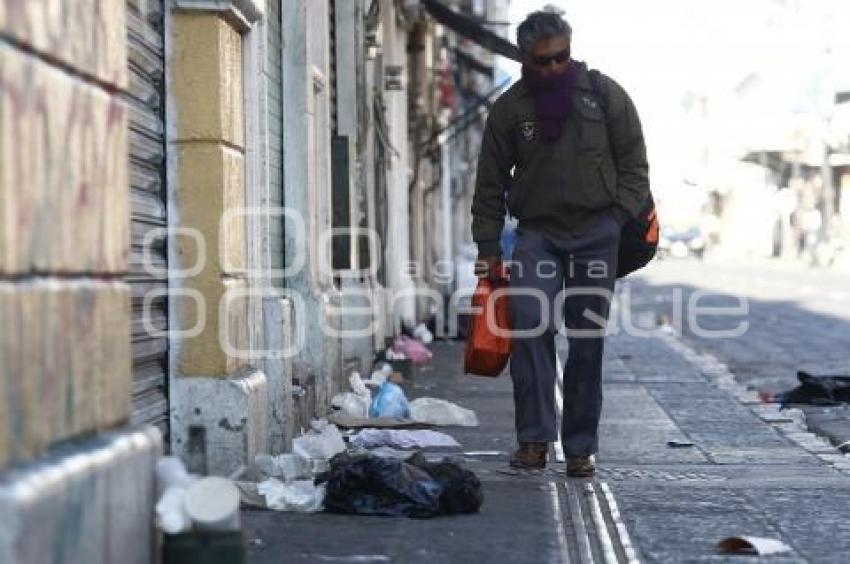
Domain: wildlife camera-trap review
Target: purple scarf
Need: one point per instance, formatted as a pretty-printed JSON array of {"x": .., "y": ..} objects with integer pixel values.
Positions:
[{"x": 552, "y": 99}]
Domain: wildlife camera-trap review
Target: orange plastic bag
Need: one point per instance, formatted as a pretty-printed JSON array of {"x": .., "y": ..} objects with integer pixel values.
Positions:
[{"x": 487, "y": 353}]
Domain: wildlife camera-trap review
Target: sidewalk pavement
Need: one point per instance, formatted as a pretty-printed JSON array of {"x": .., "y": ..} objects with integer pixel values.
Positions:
[{"x": 751, "y": 471}]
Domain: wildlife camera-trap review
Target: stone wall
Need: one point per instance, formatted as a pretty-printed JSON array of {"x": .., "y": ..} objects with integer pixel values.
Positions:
[
  {"x": 64, "y": 223},
  {"x": 65, "y": 350}
]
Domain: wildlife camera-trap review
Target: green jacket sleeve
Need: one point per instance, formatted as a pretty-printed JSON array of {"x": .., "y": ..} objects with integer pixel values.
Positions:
[
  {"x": 495, "y": 161},
  {"x": 628, "y": 151}
]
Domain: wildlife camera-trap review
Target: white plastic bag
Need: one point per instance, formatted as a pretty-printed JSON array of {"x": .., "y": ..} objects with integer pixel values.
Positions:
[
  {"x": 390, "y": 402},
  {"x": 321, "y": 443},
  {"x": 301, "y": 495},
  {"x": 422, "y": 333},
  {"x": 379, "y": 376},
  {"x": 289, "y": 467},
  {"x": 435, "y": 411},
  {"x": 356, "y": 402},
  {"x": 351, "y": 404},
  {"x": 358, "y": 387}
]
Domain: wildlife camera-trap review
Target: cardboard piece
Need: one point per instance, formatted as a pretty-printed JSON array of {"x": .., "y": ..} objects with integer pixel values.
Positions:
[{"x": 348, "y": 422}]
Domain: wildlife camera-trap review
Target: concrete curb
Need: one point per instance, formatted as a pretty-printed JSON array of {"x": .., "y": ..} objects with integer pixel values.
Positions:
[{"x": 791, "y": 423}]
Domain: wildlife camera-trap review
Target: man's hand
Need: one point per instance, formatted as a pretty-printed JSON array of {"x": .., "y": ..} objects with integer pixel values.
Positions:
[{"x": 489, "y": 267}]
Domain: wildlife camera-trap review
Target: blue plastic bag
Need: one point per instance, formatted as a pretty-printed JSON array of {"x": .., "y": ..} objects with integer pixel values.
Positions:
[{"x": 390, "y": 401}]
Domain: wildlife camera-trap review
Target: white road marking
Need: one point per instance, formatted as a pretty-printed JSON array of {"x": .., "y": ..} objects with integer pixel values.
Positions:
[
  {"x": 582, "y": 538},
  {"x": 559, "y": 401},
  {"x": 601, "y": 527},
  {"x": 622, "y": 531},
  {"x": 560, "y": 526}
]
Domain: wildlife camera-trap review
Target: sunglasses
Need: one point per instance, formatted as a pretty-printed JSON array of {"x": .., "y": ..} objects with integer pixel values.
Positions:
[{"x": 546, "y": 60}]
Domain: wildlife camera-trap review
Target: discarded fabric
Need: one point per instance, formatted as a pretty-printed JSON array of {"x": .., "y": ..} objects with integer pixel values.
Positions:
[
  {"x": 402, "y": 438},
  {"x": 390, "y": 401},
  {"x": 441, "y": 412},
  {"x": 817, "y": 390},
  {"x": 302, "y": 495},
  {"x": 461, "y": 489},
  {"x": 369, "y": 485},
  {"x": 387, "y": 452}
]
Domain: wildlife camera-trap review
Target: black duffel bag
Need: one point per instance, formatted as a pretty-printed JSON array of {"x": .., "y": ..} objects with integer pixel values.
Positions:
[{"x": 638, "y": 240}]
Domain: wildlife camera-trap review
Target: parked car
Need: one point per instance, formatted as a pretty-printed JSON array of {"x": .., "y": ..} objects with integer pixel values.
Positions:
[{"x": 681, "y": 243}]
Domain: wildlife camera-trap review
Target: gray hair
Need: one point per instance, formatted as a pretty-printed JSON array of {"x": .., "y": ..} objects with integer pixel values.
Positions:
[{"x": 541, "y": 25}]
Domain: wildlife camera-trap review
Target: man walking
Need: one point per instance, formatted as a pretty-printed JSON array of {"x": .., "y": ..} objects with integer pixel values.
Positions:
[{"x": 564, "y": 151}]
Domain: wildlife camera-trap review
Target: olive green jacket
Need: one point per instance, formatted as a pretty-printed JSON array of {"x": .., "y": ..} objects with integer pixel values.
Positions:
[{"x": 561, "y": 187}]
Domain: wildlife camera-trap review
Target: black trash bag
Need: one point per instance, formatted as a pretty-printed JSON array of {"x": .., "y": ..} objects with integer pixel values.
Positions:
[
  {"x": 818, "y": 390},
  {"x": 365, "y": 484},
  {"x": 461, "y": 488}
]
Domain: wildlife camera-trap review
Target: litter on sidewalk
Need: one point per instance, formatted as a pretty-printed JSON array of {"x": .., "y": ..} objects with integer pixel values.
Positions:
[
  {"x": 756, "y": 546},
  {"x": 412, "y": 349},
  {"x": 679, "y": 444},
  {"x": 423, "y": 334},
  {"x": 356, "y": 402},
  {"x": 320, "y": 444},
  {"x": 302, "y": 496},
  {"x": 191, "y": 503},
  {"x": 437, "y": 411},
  {"x": 348, "y": 422},
  {"x": 364, "y": 484},
  {"x": 398, "y": 438},
  {"x": 390, "y": 402},
  {"x": 817, "y": 390},
  {"x": 391, "y": 354},
  {"x": 212, "y": 504},
  {"x": 289, "y": 467}
]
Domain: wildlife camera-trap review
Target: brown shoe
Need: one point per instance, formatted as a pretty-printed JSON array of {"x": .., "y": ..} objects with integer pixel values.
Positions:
[
  {"x": 581, "y": 466},
  {"x": 530, "y": 455}
]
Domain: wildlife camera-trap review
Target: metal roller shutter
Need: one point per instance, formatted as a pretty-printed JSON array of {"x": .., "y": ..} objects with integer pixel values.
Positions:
[
  {"x": 275, "y": 121},
  {"x": 146, "y": 102}
]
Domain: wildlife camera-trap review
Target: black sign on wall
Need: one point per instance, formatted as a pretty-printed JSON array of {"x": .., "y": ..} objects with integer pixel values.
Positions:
[{"x": 393, "y": 77}]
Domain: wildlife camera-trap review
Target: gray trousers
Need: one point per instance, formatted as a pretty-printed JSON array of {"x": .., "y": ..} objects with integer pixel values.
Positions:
[{"x": 582, "y": 270}]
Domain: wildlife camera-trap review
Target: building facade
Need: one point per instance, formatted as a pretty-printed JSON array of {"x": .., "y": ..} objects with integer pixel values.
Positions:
[{"x": 211, "y": 212}]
